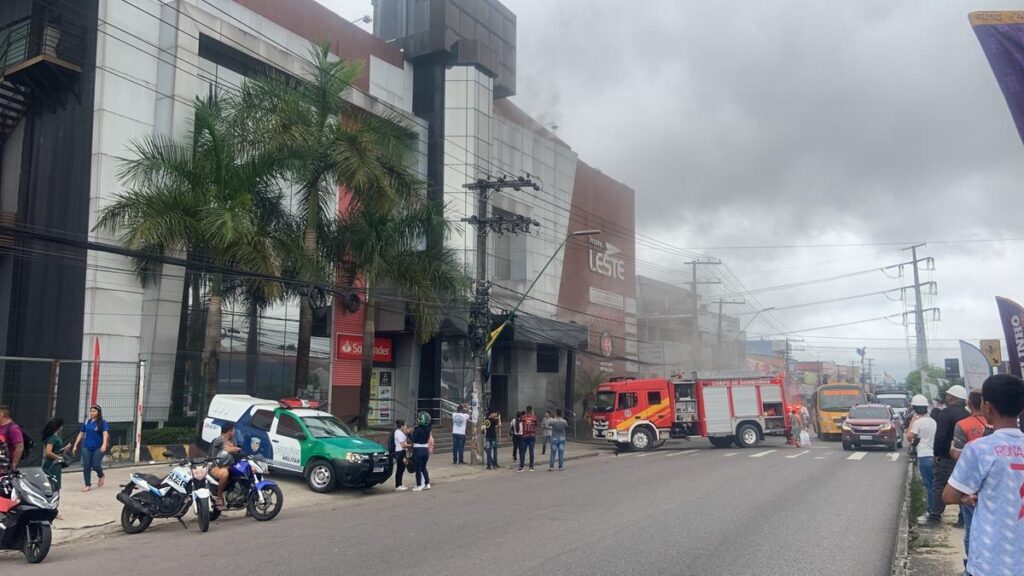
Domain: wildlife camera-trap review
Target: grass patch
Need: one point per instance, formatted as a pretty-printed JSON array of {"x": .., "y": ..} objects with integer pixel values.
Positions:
[{"x": 918, "y": 499}]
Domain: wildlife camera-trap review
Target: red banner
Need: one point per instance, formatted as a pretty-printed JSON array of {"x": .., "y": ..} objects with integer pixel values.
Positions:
[{"x": 351, "y": 347}]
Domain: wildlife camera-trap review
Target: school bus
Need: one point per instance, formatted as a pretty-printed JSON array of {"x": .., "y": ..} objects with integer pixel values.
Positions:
[{"x": 832, "y": 403}]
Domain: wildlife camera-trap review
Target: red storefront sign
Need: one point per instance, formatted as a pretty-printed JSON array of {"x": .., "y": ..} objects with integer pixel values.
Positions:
[{"x": 351, "y": 347}]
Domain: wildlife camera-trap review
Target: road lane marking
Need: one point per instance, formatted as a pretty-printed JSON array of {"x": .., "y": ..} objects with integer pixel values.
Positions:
[
  {"x": 730, "y": 454},
  {"x": 670, "y": 454},
  {"x": 800, "y": 454},
  {"x": 760, "y": 454},
  {"x": 642, "y": 454},
  {"x": 857, "y": 456},
  {"x": 893, "y": 457},
  {"x": 819, "y": 457}
]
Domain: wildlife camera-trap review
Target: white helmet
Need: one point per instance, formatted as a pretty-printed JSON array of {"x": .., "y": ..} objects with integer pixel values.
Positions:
[
  {"x": 957, "y": 391},
  {"x": 919, "y": 400}
]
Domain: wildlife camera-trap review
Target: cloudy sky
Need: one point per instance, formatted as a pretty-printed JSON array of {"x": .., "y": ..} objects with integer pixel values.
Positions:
[{"x": 794, "y": 140}]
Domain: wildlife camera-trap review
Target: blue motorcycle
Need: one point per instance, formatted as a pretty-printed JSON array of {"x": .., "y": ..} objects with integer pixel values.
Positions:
[{"x": 246, "y": 489}]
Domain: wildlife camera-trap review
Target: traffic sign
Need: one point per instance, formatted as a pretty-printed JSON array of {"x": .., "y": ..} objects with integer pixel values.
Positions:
[{"x": 993, "y": 351}]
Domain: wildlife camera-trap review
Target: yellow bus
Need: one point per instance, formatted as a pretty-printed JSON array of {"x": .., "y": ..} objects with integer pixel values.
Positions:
[{"x": 832, "y": 402}]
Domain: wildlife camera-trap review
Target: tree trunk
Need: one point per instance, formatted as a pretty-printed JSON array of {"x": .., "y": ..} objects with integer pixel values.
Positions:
[
  {"x": 252, "y": 352},
  {"x": 211, "y": 352},
  {"x": 305, "y": 321},
  {"x": 366, "y": 372}
]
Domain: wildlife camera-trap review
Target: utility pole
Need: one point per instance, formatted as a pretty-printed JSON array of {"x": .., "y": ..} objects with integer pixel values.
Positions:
[
  {"x": 871, "y": 373},
  {"x": 718, "y": 347},
  {"x": 697, "y": 344},
  {"x": 480, "y": 312},
  {"x": 922, "y": 344}
]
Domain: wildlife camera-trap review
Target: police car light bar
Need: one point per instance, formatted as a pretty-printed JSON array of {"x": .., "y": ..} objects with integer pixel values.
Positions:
[{"x": 298, "y": 403}]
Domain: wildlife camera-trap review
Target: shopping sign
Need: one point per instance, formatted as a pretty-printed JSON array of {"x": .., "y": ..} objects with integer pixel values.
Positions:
[{"x": 351, "y": 347}]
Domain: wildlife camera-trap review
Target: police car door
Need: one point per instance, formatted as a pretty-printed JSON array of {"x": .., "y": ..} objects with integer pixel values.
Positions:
[{"x": 287, "y": 448}]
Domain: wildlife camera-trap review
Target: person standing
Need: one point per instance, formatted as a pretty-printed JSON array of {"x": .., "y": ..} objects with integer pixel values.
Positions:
[
  {"x": 421, "y": 440},
  {"x": 492, "y": 425},
  {"x": 94, "y": 437},
  {"x": 558, "y": 427},
  {"x": 987, "y": 477},
  {"x": 968, "y": 430},
  {"x": 12, "y": 437},
  {"x": 400, "y": 440},
  {"x": 53, "y": 451},
  {"x": 528, "y": 437},
  {"x": 459, "y": 421},
  {"x": 922, "y": 429},
  {"x": 516, "y": 435},
  {"x": 545, "y": 426},
  {"x": 945, "y": 423}
]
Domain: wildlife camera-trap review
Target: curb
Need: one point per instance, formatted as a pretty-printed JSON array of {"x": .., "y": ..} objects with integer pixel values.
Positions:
[{"x": 901, "y": 547}]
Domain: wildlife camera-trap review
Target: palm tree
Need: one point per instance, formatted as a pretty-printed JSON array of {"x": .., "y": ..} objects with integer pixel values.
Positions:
[
  {"x": 328, "y": 143},
  {"x": 385, "y": 249},
  {"x": 204, "y": 196}
]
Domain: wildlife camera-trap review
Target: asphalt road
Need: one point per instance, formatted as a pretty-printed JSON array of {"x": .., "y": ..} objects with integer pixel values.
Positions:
[{"x": 682, "y": 510}]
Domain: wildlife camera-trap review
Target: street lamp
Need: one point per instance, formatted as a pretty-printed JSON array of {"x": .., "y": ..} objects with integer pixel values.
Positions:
[
  {"x": 755, "y": 316},
  {"x": 363, "y": 19}
]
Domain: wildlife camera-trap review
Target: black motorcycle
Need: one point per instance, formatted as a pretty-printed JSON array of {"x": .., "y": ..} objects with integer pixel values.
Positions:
[{"x": 28, "y": 504}]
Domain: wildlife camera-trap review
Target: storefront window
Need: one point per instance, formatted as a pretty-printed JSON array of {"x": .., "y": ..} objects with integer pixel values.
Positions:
[{"x": 457, "y": 370}]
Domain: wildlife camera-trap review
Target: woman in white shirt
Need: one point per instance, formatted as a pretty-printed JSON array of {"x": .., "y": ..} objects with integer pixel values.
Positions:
[{"x": 401, "y": 441}]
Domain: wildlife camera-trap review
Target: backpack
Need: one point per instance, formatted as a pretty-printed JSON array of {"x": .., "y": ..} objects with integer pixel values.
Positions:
[
  {"x": 512, "y": 427},
  {"x": 27, "y": 444},
  {"x": 391, "y": 444}
]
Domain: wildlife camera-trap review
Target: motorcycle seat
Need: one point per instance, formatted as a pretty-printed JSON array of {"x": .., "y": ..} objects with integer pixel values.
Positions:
[{"x": 149, "y": 478}]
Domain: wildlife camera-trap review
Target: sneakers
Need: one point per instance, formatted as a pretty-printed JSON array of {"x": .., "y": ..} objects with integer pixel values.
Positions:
[
  {"x": 427, "y": 487},
  {"x": 531, "y": 469},
  {"x": 551, "y": 469},
  {"x": 519, "y": 469},
  {"x": 400, "y": 488},
  {"x": 418, "y": 489}
]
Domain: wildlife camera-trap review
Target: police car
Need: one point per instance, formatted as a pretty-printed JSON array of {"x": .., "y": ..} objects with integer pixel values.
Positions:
[{"x": 295, "y": 437}]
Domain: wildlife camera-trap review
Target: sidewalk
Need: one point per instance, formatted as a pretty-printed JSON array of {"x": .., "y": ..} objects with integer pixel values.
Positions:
[
  {"x": 937, "y": 549},
  {"x": 96, "y": 513}
]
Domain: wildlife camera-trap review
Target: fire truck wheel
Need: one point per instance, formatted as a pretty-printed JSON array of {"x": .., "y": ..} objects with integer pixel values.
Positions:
[
  {"x": 642, "y": 439},
  {"x": 747, "y": 436}
]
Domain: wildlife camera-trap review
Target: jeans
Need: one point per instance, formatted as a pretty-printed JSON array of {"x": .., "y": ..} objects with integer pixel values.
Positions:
[
  {"x": 927, "y": 468},
  {"x": 516, "y": 445},
  {"x": 91, "y": 460},
  {"x": 421, "y": 455},
  {"x": 544, "y": 446},
  {"x": 399, "y": 467},
  {"x": 491, "y": 448},
  {"x": 968, "y": 512},
  {"x": 458, "y": 448},
  {"x": 557, "y": 446},
  {"x": 524, "y": 443}
]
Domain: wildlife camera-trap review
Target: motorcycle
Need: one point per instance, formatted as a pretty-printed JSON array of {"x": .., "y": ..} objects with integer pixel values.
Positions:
[
  {"x": 182, "y": 489},
  {"x": 262, "y": 499},
  {"x": 28, "y": 504}
]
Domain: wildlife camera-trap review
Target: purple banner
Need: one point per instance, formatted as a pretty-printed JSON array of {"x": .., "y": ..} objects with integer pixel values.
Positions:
[
  {"x": 1002, "y": 39},
  {"x": 1013, "y": 328}
]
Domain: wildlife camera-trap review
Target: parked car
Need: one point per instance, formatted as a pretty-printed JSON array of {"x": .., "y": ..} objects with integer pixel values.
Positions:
[
  {"x": 872, "y": 425},
  {"x": 297, "y": 438}
]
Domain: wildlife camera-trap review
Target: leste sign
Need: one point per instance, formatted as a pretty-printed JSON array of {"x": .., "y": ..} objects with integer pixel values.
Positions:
[{"x": 351, "y": 347}]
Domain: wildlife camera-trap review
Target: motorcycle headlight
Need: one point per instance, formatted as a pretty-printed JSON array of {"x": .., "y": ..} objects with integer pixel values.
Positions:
[
  {"x": 199, "y": 472},
  {"x": 356, "y": 457}
]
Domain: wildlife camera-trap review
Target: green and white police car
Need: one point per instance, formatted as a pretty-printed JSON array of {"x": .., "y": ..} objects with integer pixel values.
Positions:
[{"x": 294, "y": 437}]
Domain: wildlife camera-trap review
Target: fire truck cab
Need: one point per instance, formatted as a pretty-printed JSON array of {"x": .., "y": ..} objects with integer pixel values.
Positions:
[{"x": 642, "y": 414}]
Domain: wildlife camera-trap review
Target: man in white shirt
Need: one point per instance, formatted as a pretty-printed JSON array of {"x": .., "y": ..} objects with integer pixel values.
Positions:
[
  {"x": 922, "y": 429},
  {"x": 459, "y": 421}
]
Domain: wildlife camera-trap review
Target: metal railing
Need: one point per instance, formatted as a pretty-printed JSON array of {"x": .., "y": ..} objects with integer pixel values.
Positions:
[{"x": 49, "y": 35}]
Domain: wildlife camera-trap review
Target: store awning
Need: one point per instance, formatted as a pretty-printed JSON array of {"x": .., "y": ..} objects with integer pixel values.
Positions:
[{"x": 539, "y": 330}]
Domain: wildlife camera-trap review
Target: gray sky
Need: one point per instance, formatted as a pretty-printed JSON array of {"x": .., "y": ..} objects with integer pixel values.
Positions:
[{"x": 793, "y": 123}]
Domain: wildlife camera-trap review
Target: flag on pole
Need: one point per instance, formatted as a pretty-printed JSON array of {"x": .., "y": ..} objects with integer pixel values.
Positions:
[
  {"x": 862, "y": 351},
  {"x": 976, "y": 368},
  {"x": 1001, "y": 35},
  {"x": 1013, "y": 329}
]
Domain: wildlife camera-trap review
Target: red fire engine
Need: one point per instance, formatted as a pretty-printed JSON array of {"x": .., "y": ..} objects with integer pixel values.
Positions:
[{"x": 641, "y": 414}]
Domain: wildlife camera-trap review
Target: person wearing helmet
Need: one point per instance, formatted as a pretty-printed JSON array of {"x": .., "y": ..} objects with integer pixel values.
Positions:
[
  {"x": 922, "y": 431},
  {"x": 421, "y": 437},
  {"x": 945, "y": 424}
]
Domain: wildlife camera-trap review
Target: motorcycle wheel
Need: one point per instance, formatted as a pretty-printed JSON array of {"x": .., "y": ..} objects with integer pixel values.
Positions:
[
  {"x": 204, "y": 514},
  {"x": 273, "y": 500},
  {"x": 35, "y": 549},
  {"x": 134, "y": 523}
]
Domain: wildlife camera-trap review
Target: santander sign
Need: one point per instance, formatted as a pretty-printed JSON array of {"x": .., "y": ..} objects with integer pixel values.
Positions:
[{"x": 351, "y": 348}]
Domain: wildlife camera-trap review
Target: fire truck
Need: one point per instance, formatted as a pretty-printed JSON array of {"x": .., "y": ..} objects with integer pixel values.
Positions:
[{"x": 642, "y": 414}]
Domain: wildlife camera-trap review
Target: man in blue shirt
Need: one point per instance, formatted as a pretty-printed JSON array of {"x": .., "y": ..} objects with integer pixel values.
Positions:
[{"x": 989, "y": 476}]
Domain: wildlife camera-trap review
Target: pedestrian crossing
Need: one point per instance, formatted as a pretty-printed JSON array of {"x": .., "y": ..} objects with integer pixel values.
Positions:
[{"x": 771, "y": 453}]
